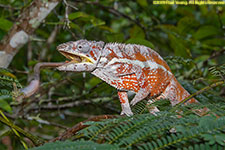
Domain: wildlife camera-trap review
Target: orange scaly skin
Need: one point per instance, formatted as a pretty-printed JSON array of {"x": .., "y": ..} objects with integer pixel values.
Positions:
[{"x": 127, "y": 67}]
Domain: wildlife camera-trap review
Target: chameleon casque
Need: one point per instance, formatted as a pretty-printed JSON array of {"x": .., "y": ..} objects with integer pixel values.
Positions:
[{"x": 127, "y": 67}]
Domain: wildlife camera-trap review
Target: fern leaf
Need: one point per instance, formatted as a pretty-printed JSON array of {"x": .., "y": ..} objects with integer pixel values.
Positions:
[{"x": 76, "y": 145}]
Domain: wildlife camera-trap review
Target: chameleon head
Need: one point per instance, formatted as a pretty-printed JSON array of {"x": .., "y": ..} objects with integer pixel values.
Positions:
[{"x": 80, "y": 52}]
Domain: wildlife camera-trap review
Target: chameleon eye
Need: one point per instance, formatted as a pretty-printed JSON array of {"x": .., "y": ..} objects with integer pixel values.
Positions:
[
  {"x": 84, "y": 48},
  {"x": 80, "y": 47}
]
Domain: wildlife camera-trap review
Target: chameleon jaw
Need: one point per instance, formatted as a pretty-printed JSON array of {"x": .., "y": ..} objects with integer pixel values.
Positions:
[{"x": 76, "y": 58}]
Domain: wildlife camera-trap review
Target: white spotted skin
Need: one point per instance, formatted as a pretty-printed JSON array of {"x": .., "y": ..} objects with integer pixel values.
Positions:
[{"x": 127, "y": 67}]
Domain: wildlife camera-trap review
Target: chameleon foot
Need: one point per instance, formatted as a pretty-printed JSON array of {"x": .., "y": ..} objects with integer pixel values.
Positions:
[
  {"x": 153, "y": 110},
  {"x": 126, "y": 111}
]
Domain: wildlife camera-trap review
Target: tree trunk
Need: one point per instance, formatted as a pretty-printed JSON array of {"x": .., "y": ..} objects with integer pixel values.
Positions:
[{"x": 29, "y": 19}]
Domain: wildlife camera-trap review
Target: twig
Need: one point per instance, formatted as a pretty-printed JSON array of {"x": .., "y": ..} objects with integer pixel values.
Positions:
[
  {"x": 58, "y": 125},
  {"x": 63, "y": 106},
  {"x": 72, "y": 131},
  {"x": 80, "y": 115},
  {"x": 9, "y": 7},
  {"x": 214, "y": 55},
  {"x": 67, "y": 21}
]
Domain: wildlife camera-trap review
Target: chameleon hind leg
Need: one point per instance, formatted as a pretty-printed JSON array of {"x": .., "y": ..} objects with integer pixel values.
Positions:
[{"x": 152, "y": 82}]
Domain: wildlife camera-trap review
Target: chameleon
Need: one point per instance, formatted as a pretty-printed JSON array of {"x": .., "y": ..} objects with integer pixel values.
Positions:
[{"x": 128, "y": 68}]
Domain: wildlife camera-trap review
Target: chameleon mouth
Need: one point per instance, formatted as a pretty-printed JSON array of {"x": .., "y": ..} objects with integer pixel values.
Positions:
[{"x": 76, "y": 58}]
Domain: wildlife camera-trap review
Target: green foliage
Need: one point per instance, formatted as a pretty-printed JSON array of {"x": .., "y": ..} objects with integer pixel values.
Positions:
[
  {"x": 177, "y": 60},
  {"x": 165, "y": 130},
  {"x": 77, "y": 145},
  {"x": 5, "y": 24},
  {"x": 140, "y": 42},
  {"x": 8, "y": 84},
  {"x": 218, "y": 71}
]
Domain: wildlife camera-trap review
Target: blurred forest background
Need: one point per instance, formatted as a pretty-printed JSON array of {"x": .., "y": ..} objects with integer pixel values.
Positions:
[{"x": 190, "y": 38}]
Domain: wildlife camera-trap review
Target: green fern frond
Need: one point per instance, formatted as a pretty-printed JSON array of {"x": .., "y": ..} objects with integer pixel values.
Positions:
[
  {"x": 76, "y": 145},
  {"x": 177, "y": 60},
  {"x": 128, "y": 126},
  {"x": 4, "y": 92},
  {"x": 97, "y": 128},
  {"x": 187, "y": 134},
  {"x": 140, "y": 108},
  {"x": 218, "y": 71},
  {"x": 159, "y": 126},
  {"x": 8, "y": 85},
  {"x": 8, "y": 82},
  {"x": 204, "y": 146},
  {"x": 146, "y": 131}
]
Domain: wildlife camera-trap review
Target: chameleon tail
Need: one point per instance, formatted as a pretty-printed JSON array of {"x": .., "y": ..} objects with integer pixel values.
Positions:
[{"x": 176, "y": 93}]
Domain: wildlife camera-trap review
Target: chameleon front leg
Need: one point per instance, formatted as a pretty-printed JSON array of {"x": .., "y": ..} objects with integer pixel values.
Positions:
[
  {"x": 145, "y": 86},
  {"x": 107, "y": 77},
  {"x": 124, "y": 104},
  {"x": 79, "y": 67},
  {"x": 123, "y": 69}
]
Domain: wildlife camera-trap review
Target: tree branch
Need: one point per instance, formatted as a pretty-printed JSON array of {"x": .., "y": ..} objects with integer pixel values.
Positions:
[
  {"x": 29, "y": 19},
  {"x": 72, "y": 131},
  {"x": 62, "y": 106}
]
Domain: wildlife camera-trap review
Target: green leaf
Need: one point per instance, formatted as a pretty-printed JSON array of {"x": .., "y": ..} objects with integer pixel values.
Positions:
[
  {"x": 206, "y": 31},
  {"x": 75, "y": 26},
  {"x": 5, "y": 24},
  {"x": 115, "y": 37},
  {"x": 214, "y": 42},
  {"x": 180, "y": 128},
  {"x": 187, "y": 24},
  {"x": 106, "y": 28},
  {"x": 6, "y": 72},
  {"x": 207, "y": 120},
  {"x": 4, "y": 105},
  {"x": 143, "y": 3},
  {"x": 220, "y": 139},
  {"x": 76, "y": 145},
  {"x": 178, "y": 46},
  {"x": 169, "y": 28},
  {"x": 95, "y": 21},
  {"x": 137, "y": 32},
  {"x": 77, "y": 15},
  {"x": 140, "y": 41}
]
